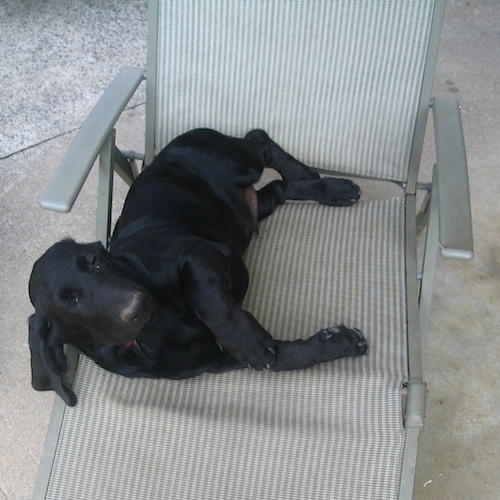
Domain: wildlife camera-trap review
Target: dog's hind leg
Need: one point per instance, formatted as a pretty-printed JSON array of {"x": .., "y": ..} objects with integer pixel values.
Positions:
[
  {"x": 327, "y": 191},
  {"x": 299, "y": 182},
  {"x": 275, "y": 157}
]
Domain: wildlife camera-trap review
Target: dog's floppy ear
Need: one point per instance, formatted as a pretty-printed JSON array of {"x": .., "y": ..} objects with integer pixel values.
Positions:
[{"x": 48, "y": 361}]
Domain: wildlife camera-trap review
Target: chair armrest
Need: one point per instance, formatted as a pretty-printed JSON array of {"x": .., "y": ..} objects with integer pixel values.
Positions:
[
  {"x": 455, "y": 220},
  {"x": 83, "y": 151}
]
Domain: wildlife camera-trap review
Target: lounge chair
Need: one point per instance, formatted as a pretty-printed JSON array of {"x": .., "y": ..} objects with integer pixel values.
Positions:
[{"x": 345, "y": 86}]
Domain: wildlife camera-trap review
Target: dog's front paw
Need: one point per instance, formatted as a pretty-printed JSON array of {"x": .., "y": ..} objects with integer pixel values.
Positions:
[{"x": 340, "y": 341}]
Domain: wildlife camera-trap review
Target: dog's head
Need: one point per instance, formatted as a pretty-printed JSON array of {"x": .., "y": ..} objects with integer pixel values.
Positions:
[{"x": 80, "y": 298}]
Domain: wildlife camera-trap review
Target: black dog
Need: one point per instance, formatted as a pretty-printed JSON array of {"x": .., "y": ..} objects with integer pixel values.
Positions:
[{"x": 164, "y": 301}]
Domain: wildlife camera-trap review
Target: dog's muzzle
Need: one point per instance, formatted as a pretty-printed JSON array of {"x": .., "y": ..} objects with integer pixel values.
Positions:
[{"x": 138, "y": 310}]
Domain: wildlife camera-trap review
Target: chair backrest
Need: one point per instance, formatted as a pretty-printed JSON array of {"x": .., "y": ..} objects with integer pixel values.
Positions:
[{"x": 344, "y": 85}]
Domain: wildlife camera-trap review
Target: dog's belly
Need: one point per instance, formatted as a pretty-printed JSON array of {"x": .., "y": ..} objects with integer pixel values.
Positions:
[{"x": 249, "y": 195}]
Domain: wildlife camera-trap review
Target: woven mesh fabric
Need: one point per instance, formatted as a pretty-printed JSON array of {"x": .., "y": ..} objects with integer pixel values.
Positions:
[
  {"x": 336, "y": 83},
  {"x": 330, "y": 431}
]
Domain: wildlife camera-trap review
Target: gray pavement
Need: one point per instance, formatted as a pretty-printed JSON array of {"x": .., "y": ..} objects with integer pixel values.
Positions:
[{"x": 56, "y": 57}]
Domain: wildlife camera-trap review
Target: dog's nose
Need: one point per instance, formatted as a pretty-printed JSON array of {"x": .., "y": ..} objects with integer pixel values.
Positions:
[{"x": 138, "y": 308}]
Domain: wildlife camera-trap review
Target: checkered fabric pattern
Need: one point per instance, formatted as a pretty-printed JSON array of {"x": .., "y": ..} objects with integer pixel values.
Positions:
[{"x": 333, "y": 431}]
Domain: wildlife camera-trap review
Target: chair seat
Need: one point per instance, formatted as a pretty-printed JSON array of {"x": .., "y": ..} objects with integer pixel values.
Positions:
[{"x": 332, "y": 431}]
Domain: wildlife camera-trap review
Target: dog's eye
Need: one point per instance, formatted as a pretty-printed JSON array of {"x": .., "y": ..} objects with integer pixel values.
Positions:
[
  {"x": 69, "y": 297},
  {"x": 94, "y": 262},
  {"x": 90, "y": 263}
]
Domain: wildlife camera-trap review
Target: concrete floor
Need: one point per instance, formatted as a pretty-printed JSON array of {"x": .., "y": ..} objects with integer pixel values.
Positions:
[{"x": 56, "y": 57}]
